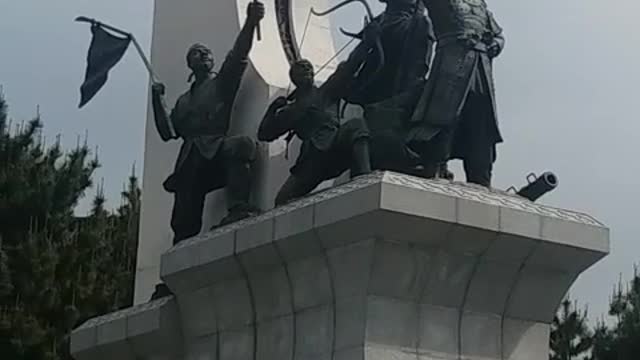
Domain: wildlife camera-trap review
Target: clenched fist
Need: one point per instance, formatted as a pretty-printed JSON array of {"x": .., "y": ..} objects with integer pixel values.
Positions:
[{"x": 255, "y": 12}]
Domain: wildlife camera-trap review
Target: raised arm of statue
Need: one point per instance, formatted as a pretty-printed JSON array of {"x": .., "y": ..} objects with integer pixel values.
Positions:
[
  {"x": 233, "y": 68},
  {"x": 161, "y": 114},
  {"x": 277, "y": 121}
]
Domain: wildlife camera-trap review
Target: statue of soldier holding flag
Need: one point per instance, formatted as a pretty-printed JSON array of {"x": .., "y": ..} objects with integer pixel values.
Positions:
[{"x": 209, "y": 159}]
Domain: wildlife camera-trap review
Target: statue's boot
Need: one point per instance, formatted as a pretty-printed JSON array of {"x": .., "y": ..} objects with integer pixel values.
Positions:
[
  {"x": 238, "y": 192},
  {"x": 360, "y": 158},
  {"x": 445, "y": 173},
  {"x": 237, "y": 213},
  {"x": 161, "y": 291}
]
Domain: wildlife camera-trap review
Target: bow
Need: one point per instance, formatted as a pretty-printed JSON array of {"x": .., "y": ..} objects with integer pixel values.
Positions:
[
  {"x": 378, "y": 44},
  {"x": 344, "y": 3}
]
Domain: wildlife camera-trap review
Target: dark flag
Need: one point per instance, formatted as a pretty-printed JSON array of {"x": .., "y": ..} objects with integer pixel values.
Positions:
[{"x": 105, "y": 52}]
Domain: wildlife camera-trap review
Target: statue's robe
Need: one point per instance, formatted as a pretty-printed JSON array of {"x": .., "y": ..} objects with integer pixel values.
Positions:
[{"x": 464, "y": 29}]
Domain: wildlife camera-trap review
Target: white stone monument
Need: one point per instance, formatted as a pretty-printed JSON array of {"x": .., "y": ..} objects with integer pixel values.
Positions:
[{"x": 385, "y": 267}]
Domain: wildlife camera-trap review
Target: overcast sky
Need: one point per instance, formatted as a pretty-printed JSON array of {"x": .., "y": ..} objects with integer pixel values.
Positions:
[{"x": 566, "y": 88}]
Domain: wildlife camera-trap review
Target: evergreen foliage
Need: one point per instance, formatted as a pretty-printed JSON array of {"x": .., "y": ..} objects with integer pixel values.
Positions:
[
  {"x": 572, "y": 339},
  {"x": 622, "y": 340},
  {"x": 570, "y": 334},
  {"x": 56, "y": 269}
]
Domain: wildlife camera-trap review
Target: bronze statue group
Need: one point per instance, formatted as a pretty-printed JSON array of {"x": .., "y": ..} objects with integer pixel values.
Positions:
[{"x": 418, "y": 113}]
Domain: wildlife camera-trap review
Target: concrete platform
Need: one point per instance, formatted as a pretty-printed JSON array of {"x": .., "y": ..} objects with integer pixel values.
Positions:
[{"x": 386, "y": 266}]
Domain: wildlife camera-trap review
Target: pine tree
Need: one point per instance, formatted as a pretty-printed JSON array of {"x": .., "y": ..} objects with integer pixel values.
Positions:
[
  {"x": 57, "y": 270},
  {"x": 570, "y": 335},
  {"x": 621, "y": 341},
  {"x": 604, "y": 343},
  {"x": 6, "y": 287}
]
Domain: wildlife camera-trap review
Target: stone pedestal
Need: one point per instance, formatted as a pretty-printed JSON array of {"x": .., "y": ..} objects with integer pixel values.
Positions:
[{"x": 385, "y": 267}]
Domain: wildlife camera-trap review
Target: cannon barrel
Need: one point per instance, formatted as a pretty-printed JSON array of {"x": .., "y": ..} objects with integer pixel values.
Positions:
[{"x": 540, "y": 186}]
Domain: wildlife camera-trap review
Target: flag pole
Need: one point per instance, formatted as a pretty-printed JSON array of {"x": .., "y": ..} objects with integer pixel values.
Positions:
[
  {"x": 129, "y": 35},
  {"x": 146, "y": 62}
]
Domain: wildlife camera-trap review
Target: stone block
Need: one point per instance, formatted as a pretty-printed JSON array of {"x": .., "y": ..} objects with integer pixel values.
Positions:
[
  {"x": 434, "y": 355},
  {"x": 179, "y": 259},
  {"x": 213, "y": 248},
  {"x": 144, "y": 322},
  {"x": 83, "y": 339},
  {"x": 348, "y": 205},
  {"x": 410, "y": 229},
  {"x": 354, "y": 353},
  {"x": 203, "y": 348},
  {"x": 321, "y": 357},
  {"x": 449, "y": 278},
  {"x": 351, "y": 321},
  {"x": 233, "y": 304},
  {"x": 198, "y": 313},
  {"x": 477, "y": 225},
  {"x": 254, "y": 234},
  {"x": 271, "y": 294},
  {"x": 112, "y": 339},
  {"x": 311, "y": 282},
  {"x": 392, "y": 323},
  {"x": 255, "y": 248},
  {"x": 414, "y": 201},
  {"x": 538, "y": 293},
  {"x": 575, "y": 234},
  {"x": 153, "y": 329},
  {"x": 490, "y": 287},
  {"x": 469, "y": 241},
  {"x": 200, "y": 262},
  {"x": 481, "y": 336},
  {"x": 348, "y": 218},
  {"x": 478, "y": 214},
  {"x": 438, "y": 332},
  {"x": 399, "y": 270},
  {"x": 276, "y": 339},
  {"x": 295, "y": 234},
  {"x": 209, "y": 274},
  {"x": 314, "y": 332},
  {"x": 374, "y": 352},
  {"x": 563, "y": 258},
  {"x": 519, "y": 223},
  {"x": 237, "y": 344},
  {"x": 507, "y": 248},
  {"x": 525, "y": 340},
  {"x": 351, "y": 268}
]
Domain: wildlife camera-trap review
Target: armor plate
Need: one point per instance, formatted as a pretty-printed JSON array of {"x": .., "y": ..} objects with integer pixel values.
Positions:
[{"x": 459, "y": 17}]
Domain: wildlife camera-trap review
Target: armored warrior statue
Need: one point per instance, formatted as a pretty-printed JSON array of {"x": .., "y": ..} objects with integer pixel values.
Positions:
[
  {"x": 455, "y": 116},
  {"x": 406, "y": 39},
  {"x": 328, "y": 147},
  {"x": 388, "y": 83},
  {"x": 208, "y": 159}
]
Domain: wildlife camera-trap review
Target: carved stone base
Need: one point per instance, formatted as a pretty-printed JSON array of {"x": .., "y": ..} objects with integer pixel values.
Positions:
[{"x": 385, "y": 267}]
